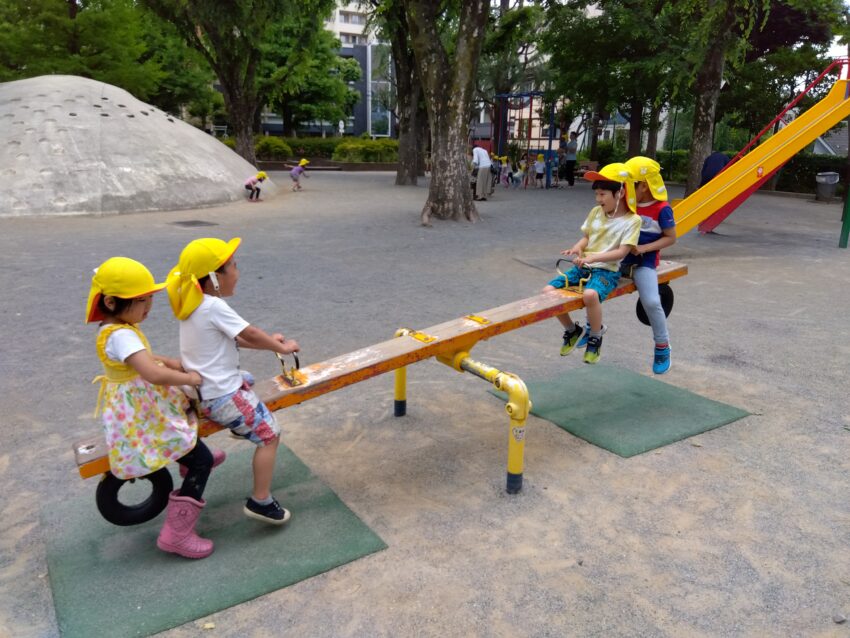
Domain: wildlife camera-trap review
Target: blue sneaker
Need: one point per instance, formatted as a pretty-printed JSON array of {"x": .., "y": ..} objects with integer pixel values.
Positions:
[
  {"x": 583, "y": 341},
  {"x": 661, "y": 362}
]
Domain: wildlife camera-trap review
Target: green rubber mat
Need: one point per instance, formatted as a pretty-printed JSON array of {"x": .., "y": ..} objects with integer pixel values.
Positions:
[
  {"x": 623, "y": 412},
  {"x": 113, "y": 581}
]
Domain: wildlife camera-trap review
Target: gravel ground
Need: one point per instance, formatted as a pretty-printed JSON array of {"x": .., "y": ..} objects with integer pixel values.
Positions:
[{"x": 741, "y": 531}]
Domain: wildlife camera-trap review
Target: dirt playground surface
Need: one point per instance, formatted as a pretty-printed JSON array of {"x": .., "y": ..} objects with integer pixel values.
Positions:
[{"x": 741, "y": 531}]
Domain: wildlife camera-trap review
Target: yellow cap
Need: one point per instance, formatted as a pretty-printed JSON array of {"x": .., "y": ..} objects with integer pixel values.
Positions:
[
  {"x": 645, "y": 169},
  {"x": 119, "y": 277},
  {"x": 616, "y": 172},
  {"x": 303, "y": 162},
  {"x": 540, "y": 157},
  {"x": 262, "y": 175},
  {"x": 198, "y": 259}
]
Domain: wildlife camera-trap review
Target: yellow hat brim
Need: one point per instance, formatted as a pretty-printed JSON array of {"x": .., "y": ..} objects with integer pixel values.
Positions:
[{"x": 93, "y": 313}]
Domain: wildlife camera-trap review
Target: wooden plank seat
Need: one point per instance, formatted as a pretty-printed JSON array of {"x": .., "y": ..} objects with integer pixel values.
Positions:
[{"x": 443, "y": 340}]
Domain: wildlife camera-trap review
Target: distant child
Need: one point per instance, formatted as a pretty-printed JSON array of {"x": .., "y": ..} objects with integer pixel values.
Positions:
[
  {"x": 297, "y": 172},
  {"x": 553, "y": 168},
  {"x": 539, "y": 171},
  {"x": 505, "y": 177},
  {"x": 210, "y": 336},
  {"x": 252, "y": 186},
  {"x": 658, "y": 230},
  {"x": 610, "y": 230},
  {"x": 520, "y": 172},
  {"x": 144, "y": 417}
]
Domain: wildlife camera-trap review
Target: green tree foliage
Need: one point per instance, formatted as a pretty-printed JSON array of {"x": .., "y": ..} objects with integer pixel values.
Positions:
[
  {"x": 185, "y": 78},
  {"x": 98, "y": 39},
  {"x": 256, "y": 48},
  {"x": 782, "y": 57},
  {"x": 319, "y": 89}
]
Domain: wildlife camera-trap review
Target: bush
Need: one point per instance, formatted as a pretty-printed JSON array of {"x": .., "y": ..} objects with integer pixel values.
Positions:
[
  {"x": 607, "y": 153},
  {"x": 229, "y": 142},
  {"x": 314, "y": 146},
  {"x": 798, "y": 174},
  {"x": 674, "y": 166},
  {"x": 272, "y": 148},
  {"x": 358, "y": 150}
]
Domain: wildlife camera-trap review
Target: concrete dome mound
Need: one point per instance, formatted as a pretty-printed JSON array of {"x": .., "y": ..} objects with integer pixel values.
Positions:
[{"x": 75, "y": 146}]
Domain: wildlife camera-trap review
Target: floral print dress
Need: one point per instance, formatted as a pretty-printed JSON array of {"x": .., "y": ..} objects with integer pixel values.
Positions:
[{"x": 146, "y": 425}]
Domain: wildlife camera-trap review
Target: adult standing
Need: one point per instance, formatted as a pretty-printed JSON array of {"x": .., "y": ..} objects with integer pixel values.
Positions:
[
  {"x": 712, "y": 165},
  {"x": 481, "y": 163},
  {"x": 570, "y": 155}
]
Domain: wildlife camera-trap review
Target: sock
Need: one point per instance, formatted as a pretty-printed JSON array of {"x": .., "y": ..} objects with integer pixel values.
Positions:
[
  {"x": 661, "y": 346},
  {"x": 595, "y": 333},
  {"x": 263, "y": 501}
]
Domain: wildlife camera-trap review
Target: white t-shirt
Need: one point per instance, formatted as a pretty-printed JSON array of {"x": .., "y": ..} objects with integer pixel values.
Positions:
[
  {"x": 208, "y": 346},
  {"x": 122, "y": 343},
  {"x": 480, "y": 158}
]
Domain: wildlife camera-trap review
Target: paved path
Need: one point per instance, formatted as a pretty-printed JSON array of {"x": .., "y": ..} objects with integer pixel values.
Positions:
[{"x": 739, "y": 531}]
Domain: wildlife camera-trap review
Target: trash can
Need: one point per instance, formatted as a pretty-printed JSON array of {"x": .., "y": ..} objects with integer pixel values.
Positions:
[{"x": 826, "y": 185}]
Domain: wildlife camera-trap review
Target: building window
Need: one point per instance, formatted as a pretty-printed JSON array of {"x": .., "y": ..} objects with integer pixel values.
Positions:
[
  {"x": 352, "y": 18},
  {"x": 351, "y": 38}
]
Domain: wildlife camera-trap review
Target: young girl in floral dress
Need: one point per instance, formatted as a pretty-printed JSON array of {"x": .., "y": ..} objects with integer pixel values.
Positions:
[{"x": 145, "y": 418}]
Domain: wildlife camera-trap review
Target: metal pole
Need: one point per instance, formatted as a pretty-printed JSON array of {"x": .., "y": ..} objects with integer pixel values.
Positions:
[
  {"x": 549, "y": 150},
  {"x": 517, "y": 407},
  {"x": 845, "y": 226},
  {"x": 673, "y": 139}
]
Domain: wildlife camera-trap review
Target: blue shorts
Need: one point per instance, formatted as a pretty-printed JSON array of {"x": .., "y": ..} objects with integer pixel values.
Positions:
[
  {"x": 245, "y": 415},
  {"x": 601, "y": 280}
]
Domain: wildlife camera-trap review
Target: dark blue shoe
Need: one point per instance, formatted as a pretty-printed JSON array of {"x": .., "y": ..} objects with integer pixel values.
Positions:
[
  {"x": 661, "y": 362},
  {"x": 583, "y": 341}
]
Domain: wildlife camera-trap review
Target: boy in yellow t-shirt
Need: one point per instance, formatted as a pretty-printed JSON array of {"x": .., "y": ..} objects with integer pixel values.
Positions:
[{"x": 609, "y": 232}]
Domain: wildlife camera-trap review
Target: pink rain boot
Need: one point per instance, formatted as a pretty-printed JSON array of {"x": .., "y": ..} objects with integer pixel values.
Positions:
[
  {"x": 178, "y": 533},
  {"x": 218, "y": 459}
]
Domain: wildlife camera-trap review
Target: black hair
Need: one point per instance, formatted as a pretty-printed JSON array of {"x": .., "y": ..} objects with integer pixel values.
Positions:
[
  {"x": 121, "y": 305},
  {"x": 202, "y": 282},
  {"x": 607, "y": 185}
]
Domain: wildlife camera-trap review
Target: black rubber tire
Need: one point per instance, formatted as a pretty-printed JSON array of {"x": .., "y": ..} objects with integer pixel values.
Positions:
[
  {"x": 666, "y": 293},
  {"x": 118, "y": 513}
]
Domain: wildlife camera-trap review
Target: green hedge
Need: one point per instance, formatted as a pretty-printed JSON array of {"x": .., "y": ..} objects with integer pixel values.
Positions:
[
  {"x": 311, "y": 147},
  {"x": 358, "y": 150},
  {"x": 798, "y": 174},
  {"x": 272, "y": 148}
]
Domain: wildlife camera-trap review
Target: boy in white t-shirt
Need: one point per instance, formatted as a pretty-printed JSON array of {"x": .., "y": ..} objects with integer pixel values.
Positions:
[{"x": 210, "y": 335}]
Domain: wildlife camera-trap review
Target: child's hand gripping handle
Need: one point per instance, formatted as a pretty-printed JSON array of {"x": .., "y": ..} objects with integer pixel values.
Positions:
[{"x": 291, "y": 376}]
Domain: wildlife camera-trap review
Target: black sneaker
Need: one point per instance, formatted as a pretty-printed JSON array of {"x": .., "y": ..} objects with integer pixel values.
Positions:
[
  {"x": 571, "y": 338},
  {"x": 273, "y": 513}
]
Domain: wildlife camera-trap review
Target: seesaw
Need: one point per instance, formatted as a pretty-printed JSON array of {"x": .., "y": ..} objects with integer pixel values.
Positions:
[{"x": 448, "y": 342}]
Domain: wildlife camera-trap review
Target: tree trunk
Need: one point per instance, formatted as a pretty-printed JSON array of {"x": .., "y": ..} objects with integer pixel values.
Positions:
[
  {"x": 240, "y": 110},
  {"x": 447, "y": 86},
  {"x": 652, "y": 131},
  {"x": 635, "y": 127},
  {"x": 423, "y": 137},
  {"x": 594, "y": 134},
  {"x": 409, "y": 93},
  {"x": 707, "y": 90}
]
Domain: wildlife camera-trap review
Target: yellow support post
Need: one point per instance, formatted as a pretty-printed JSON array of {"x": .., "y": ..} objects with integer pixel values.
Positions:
[
  {"x": 400, "y": 394},
  {"x": 517, "y": 407}
]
